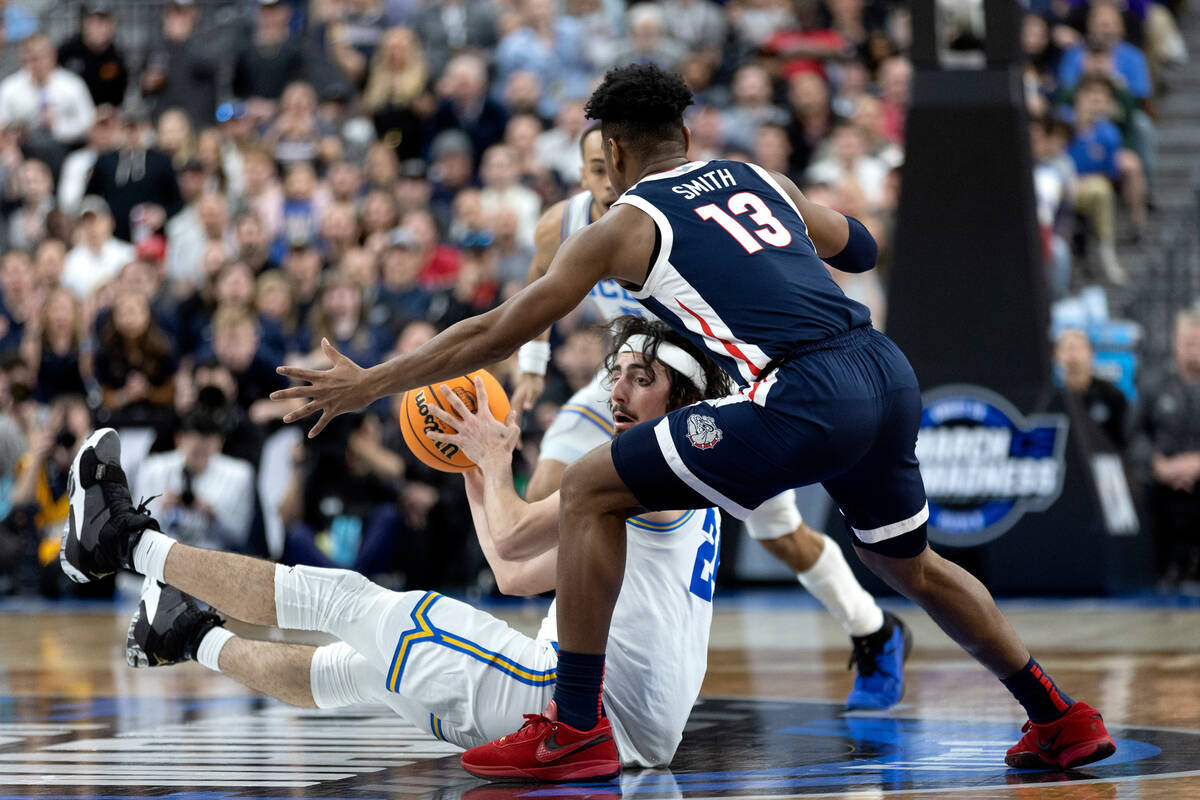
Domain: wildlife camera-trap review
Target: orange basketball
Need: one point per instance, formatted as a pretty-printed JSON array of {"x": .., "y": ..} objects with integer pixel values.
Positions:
[{"x": 416, "y": 420}]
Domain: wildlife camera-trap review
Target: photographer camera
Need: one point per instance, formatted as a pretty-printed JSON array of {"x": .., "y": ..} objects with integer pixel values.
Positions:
[{"x": 205, "y": 499}]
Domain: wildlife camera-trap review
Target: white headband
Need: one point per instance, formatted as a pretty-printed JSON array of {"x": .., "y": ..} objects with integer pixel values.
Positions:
[{"x": 673, "y": 356}]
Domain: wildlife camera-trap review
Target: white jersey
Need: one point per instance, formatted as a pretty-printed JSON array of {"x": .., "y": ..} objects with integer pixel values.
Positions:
[
  {"x": 658, "y": 639},
  {"x": 608, "y": 298}
]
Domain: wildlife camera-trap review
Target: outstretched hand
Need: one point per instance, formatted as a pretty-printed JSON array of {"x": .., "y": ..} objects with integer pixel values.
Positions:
[
  {"x": 478, "y": 434},
  {"x": 332, "y": 391}
]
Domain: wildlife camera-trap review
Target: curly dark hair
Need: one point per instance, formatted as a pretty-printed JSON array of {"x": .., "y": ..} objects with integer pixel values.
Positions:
[
  {"x": 640, "y": 104},
  {"x": 683, "y": 391}
]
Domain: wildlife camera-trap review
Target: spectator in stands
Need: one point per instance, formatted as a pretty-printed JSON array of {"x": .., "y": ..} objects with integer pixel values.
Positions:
[
  {"x": 295, "y": 135},
  {"x": 547, "y": 46},
  {"x": 649, "y": 41},
  {"x": 51, "y": 348},
  {"x": 48, "y": 262},
  {"x": 304, "y": 203},
  {"x": 175, "y": 137},
  {"x": 263, "y": 193},
  {"x": 849, "y": 163},
  {"x": 600, "y": 27},
  {"x": 1054, "y": 188},
  {"x": 463, "y": 103},
  {"x": 401, "y": 298},
  {"x": 451, "y": 27},
  {"x": 39, "y": 496},
  {"x": 135, "y": 174},
  {"x": 273, "y": 302},
  {"x": 270, "y": 59},
  {"x": 302, "y": 267},
  {"x": 134, "y": 365},
  {"x": 343, "y": 496},
  {"x": 698, "y": 26},
  {"x": 200, "y": 496},
  {"x": 812, "y": 118},
  {"x": 1167, "y": 446},
  {"x": 21, "y": 300},
  {"x": 236, "y": 343},
  {"x": 895, "y": 80},
  {"x": 51, "y": 105},
  {"x": 476, "y": 284},
  {"x": 99, "y": 255},
  {"x": 397, "y": 80},
  {"x": 352, "y": 37},
  {"x": 752, "y": 106},
  {"x": 187, "y": 244},
  {"x": 252, "y": 245},
  {"x": 183, "y": 69},
  {"x": 93, "y": 55},
  {"x": 29, "y": 222},
  {"x": 514, "y": 258},
  {"x": 1098, "y": 149},
  {"x": 501, "y": 188},
  {"x": 867, "y": 116},
  {"x": 77, "y": 167},
  {"x": 1106, "y": 39},
  {"x": 1104, "y": 403},
  {"x": 340, "y": 317}
]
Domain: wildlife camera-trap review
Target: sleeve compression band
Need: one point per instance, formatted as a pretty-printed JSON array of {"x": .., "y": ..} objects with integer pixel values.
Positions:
[{"x": 860, "y": 252}]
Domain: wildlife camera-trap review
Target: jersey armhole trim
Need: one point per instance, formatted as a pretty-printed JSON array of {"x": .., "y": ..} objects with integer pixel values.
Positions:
[
  {"x": 666, "y": 236},
  {"x": 770, "y": 180}
]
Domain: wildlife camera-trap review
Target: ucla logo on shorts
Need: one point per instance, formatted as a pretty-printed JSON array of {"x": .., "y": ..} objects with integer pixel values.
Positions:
[
  {"x": 984, "y": 464},
  {"x": 703, "y": 432}
]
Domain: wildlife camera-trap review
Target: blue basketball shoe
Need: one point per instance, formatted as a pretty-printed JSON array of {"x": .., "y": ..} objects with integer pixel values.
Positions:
[{"x": 880, "y": 658}]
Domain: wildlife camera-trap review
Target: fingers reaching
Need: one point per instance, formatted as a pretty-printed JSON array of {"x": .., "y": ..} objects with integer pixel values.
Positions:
[
  {"x": 299, "y": 373},
  {"x": 321, "y": 423},
  {"x": 302, "y": 412},
  {"x": 455, "y": 401}
]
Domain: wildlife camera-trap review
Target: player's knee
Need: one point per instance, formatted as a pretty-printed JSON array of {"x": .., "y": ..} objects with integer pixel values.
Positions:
[
  {"x": 799, "y": 549},
  {"x": 903, "y": 563}
]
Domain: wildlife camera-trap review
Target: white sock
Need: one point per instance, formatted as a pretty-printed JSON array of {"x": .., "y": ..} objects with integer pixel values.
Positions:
[
  {"x": 150, "y": 554},
  {"x": 831, "y": 581},
  {"x": 209, "y": 651}
]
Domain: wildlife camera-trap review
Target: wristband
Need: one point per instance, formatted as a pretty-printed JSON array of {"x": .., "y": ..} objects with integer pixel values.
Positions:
[{"x": 533, "y": 357}]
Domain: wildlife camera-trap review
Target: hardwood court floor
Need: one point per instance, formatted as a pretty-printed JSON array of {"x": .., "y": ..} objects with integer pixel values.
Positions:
[{"x": 75, "y": 722}]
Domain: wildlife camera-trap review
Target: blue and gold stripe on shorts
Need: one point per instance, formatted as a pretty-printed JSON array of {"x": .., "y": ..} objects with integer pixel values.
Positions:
[
  {"x": 435, "y": 725},
  {"x": 424, "y": 630}
]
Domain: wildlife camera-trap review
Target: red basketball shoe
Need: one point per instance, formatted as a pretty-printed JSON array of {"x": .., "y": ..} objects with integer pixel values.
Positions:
[
  {"x": 545, "y": 749},
  {"x": 1074, "y": 739}
]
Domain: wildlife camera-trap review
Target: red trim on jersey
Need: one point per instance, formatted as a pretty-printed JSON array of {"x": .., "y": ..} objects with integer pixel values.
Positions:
[{"x": 730, "y": 347}]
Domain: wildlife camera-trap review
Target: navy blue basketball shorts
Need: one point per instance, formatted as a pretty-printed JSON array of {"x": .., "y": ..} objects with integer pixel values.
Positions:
[{"x": 844, "y": 413}]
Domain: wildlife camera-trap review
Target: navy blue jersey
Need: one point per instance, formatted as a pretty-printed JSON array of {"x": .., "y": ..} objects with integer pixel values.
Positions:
[{"x": 736, "y": 271}]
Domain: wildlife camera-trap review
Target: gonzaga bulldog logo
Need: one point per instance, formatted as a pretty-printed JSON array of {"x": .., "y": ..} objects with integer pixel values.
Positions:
[
  {"x": 703, "y": 432},
  {"x": 984, "y": 464}
]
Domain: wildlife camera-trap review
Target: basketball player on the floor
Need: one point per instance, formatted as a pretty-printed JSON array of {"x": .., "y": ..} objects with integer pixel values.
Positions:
[
  {"x": 730, "y": 255},
  {"x": 441, "y": 664},
  {"x": 881, "y": 641}
]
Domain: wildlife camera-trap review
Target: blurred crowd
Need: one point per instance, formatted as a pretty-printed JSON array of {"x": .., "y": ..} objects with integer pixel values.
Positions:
[{"x": 176, "y": 225}]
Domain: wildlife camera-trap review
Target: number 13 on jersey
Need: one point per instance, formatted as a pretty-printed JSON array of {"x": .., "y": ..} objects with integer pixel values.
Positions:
[{"x": 771, "y": 232}]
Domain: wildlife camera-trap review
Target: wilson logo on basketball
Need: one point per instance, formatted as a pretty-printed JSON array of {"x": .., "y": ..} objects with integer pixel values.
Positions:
[
  {"x": 703, "y": 432},
  {"x": 430, "y": 423}
]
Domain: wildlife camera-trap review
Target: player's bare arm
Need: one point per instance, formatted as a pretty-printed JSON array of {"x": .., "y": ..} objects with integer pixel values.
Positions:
[
  {"x": 547, "y": 238},
  {"x": 839, "y": 240},
  {"x": 592, "y": 254},
  {"x": 514, "y": 577},
  {"x": 519, "y": 530}
]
